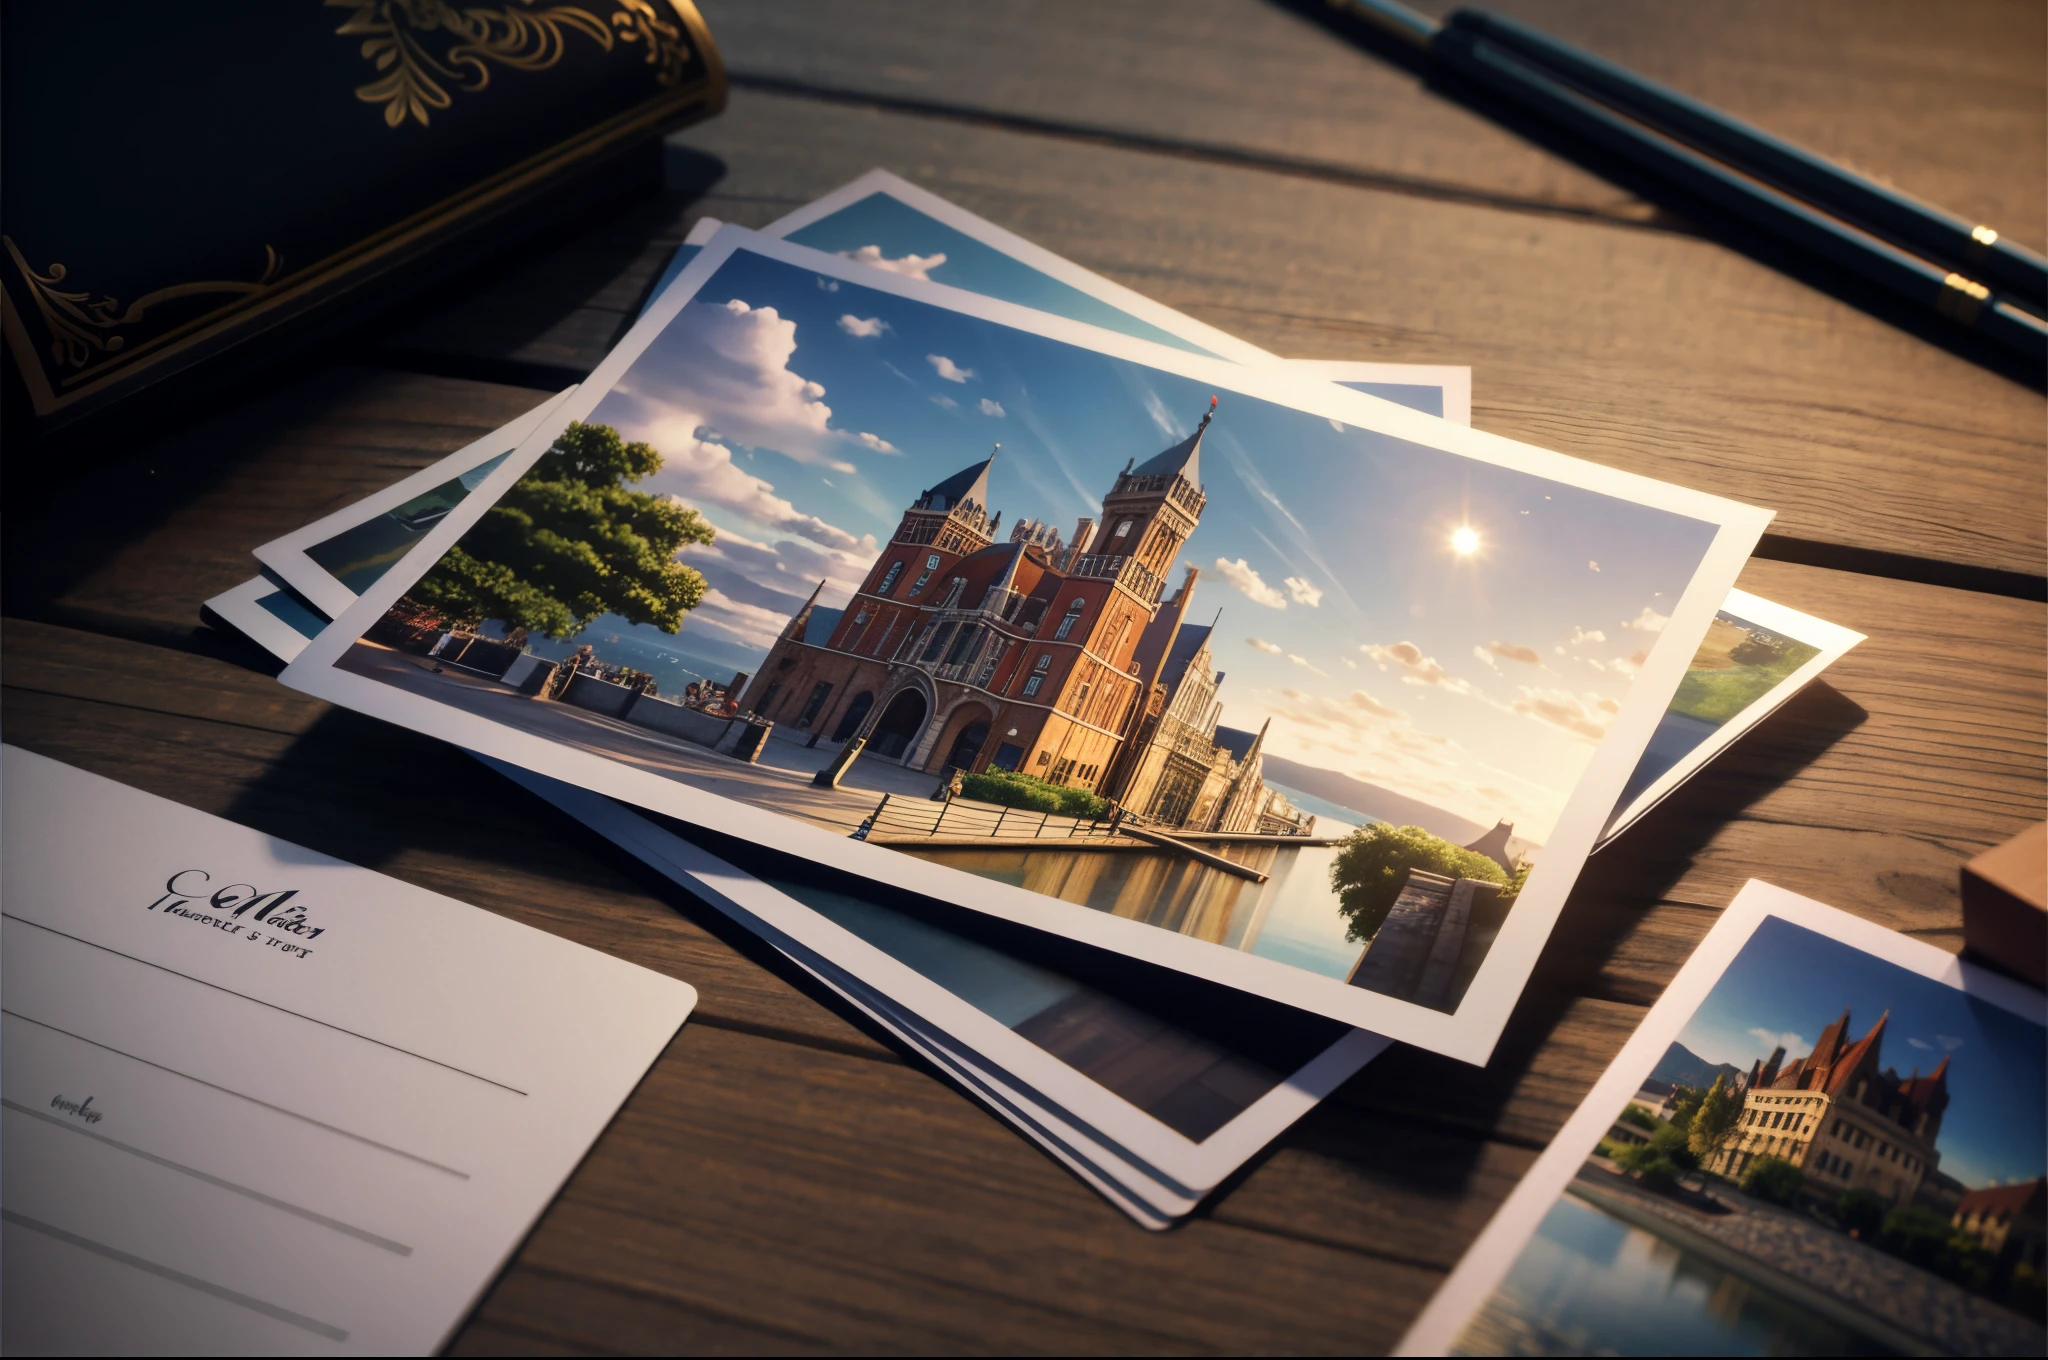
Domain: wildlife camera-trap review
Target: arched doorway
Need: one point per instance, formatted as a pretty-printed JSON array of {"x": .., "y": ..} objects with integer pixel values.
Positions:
[
  {"x": 900, "y": 724},
  {"x": 967, "y": 746},
  {"x": 855, "y": 713}
]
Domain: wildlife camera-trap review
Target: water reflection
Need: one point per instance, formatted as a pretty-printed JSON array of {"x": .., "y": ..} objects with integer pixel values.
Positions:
[
  {"x": 1589, "y": 1284},
  {"x": 1291, "y": 918}
]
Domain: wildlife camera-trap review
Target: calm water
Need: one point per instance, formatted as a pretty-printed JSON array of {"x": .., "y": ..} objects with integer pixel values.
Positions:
[
  {"x": 1590, "y": 1284},
  {"x": 1291, "y": 918}
]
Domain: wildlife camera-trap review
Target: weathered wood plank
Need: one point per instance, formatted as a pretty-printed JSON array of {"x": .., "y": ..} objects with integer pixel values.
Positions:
[
  {"x": 862, "y": 1208},
  {"x": 174, "y": 523},
  {"x": 1850, "y": 80}
]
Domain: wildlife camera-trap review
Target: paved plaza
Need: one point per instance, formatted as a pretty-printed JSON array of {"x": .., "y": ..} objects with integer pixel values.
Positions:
[{"x": 780, "y": 782}]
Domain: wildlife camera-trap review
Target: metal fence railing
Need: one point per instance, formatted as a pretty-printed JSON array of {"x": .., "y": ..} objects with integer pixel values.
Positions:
[{"x": 897, "y": 815}]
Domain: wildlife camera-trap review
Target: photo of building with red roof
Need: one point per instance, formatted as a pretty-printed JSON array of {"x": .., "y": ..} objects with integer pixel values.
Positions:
[
  {"x": 1837, "y": 1115},
  {"x": 1064, "y": 661}
]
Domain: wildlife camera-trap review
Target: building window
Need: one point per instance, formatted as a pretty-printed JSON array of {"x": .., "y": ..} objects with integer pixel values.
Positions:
[
  {"x": 813, "y": 704},
  {"x": 932, "y": 563},
  {"x": 889, "y": 577},
  {"x": 938, "y": 642},
  {"x": 918, "y": 584},
  {"x": 1073, "y": 617},
  {"x": 768, "y": 699},
  {"x": 1043, "y": 756},
  {"x": 1123, "y": 528},
  {"x": 1031, "y": 684}
]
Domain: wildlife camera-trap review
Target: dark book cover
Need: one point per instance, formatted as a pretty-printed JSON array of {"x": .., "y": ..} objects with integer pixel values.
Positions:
[{"x": 182, "y": 178}]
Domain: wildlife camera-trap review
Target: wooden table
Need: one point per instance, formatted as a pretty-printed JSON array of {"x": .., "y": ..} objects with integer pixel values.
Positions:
[{"x": 786, "y": 1181}]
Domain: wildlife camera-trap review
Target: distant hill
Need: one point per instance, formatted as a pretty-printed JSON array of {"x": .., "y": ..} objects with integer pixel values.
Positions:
[
  {"x": 1372, "y": 800},
  {"x": 1682, "y": 1067}
]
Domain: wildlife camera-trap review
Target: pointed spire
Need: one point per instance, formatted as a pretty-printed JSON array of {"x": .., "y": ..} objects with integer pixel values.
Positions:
[{"x": 801, "y": 620}]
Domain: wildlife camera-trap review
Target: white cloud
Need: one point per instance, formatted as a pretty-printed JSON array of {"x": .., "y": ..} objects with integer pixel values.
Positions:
[
  {"x": 1568, "y": 712},
  {"x": 1794, "y": 1046},
  {"x": 877, "y": 443},
  {"x": 1302, "y": 592},
  {"x": 1241, "y": 575},
  {"x": 1481, "y": 654},
  {"x": 1921, "y": 1044},
  {"x": 1629, "y": 665},
  {"x": 947, "y": 402},
  {"x": 1948, "y": 1041},
  {"x": 990, "y": 407},
  {"x": 1419, "y": 669},
  {"x": 1306, "y": 664},
  {"x": 947, "y": 369},
  {"x": 1261, "y": 645},
  {"x": 1349, "y": 664},
  {"x": 1580, "y": 635},
  {"x": 726, "y": 366},
  {"x": 1649, "y": 621},
  {"x": 826, "y": 285},
  {"x": 1509, "y": 651},
  {"x": 1594, "y": 565},
  {"x": 865, "y": 330},
  {"x": 910, "y": 266}
]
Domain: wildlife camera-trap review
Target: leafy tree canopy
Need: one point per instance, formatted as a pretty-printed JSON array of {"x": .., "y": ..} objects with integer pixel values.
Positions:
[
  {"x": 1373, "y": 864},
  {"x": 1719, "y": 1111},
  {"x": 570, "y": 542}
]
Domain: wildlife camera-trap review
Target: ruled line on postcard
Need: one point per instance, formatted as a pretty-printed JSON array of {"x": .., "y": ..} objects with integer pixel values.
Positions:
[
  {"x": 242, "y": 1095},
  {"x": 310, "y": 1019},
  {"x": 193, "y": 1282},
  {"x": 300, "y": 1211}
]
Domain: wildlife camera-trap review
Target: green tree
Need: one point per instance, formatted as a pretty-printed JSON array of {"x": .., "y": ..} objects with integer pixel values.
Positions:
[
  {"x": 1719, "y": 1111},
  {"x": 1773, "y": 1179},
  {"x": 1671, "y": 1143},
  {"x": 569, "y": 541},
  {"x": 1374, "y": 862},
  {"x": 1685, "y": 1102}
]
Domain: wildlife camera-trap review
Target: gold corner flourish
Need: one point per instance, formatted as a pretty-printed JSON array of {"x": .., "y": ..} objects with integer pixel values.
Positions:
[
  {"x": 83, "y": 327},
  {"x": 515, "y": 37}
]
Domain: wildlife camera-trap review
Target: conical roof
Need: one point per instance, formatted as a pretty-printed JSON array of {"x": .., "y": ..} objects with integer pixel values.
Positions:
[
  {"x": 1184, "y": 457},
  {"x": 968, "y": 484}
]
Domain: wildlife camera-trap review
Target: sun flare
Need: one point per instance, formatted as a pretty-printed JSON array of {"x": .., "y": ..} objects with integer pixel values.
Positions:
[{"x": 1465, "y": 540}]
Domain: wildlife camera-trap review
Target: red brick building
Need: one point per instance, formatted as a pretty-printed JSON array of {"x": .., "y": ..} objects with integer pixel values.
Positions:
[{"x": 963, "y": 651}]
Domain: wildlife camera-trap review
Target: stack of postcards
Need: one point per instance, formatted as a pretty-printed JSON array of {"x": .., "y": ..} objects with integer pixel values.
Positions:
[{"x": 1145, "y": 729}]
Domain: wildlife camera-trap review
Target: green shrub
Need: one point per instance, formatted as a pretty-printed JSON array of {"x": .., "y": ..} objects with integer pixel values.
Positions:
[
  {"x": 1009, "y": 788},
  {"x": 2026, "y": 1292},
  {"x": 1650, "y": 1166},
  {"x": 1372, "y": 867},
  {"x": 1861, "y": 1212},
  {"x": 1773, "y": 1180},
  {"x": 1638, "y": 1116},
  {"x": 1670, "y": 1144}
]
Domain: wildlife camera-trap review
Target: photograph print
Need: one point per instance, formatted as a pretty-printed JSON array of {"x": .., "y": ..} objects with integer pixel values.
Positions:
[
  {"x": 1061, "y": 620},
  {"x": 1837, "y": 1155}
]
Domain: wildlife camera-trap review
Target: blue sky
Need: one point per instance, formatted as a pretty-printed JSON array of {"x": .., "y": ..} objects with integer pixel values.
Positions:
[
  {"x": 1789, "y": 982},
  {"x": 801, "y": 414}
]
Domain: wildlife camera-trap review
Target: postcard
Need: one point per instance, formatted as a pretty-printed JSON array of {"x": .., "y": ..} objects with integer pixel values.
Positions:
[
  {"x": 1048, "y": 670},
  {"x": 1189, "y": 1108},
  {"x": 260, "y": 1101},
  {"x": 1825, "y": 1139},
  {"x": 1756, "y": 655}
]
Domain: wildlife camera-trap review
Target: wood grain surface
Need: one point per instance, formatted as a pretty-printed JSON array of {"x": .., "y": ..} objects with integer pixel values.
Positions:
[{"x": 788, "y": 1180}]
